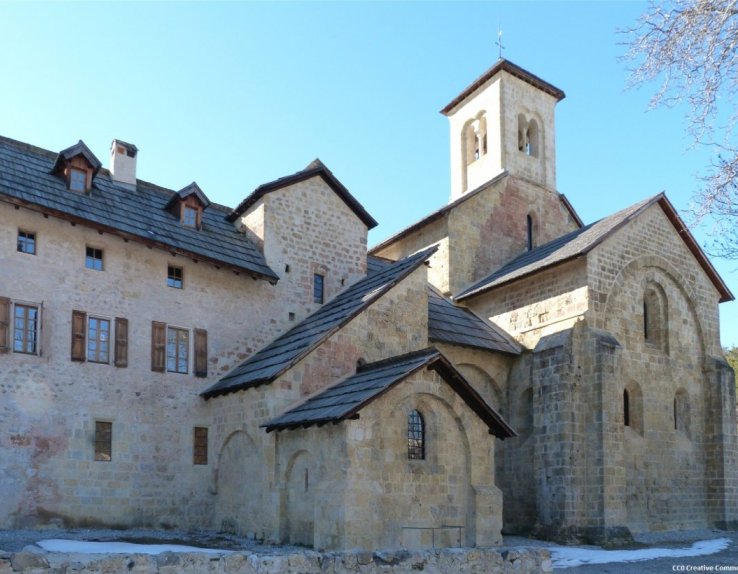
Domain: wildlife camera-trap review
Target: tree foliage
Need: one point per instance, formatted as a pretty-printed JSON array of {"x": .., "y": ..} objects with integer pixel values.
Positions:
[
  {"x": 691, "y": 48},
  {"x": 732, "y": 356}
]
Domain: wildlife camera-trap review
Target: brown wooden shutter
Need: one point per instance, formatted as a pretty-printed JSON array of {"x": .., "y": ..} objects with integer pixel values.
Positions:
[
  {"x": 4, "y": 324},
  {"x": 201, "y": 353},
  {"x": 79, "y": 323},
  {"x": 121, "y": 342},
  {"x": 158, "y": 346}
]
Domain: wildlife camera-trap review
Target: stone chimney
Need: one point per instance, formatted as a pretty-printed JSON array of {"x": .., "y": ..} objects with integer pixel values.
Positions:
[{"x": 123, "y": 162}]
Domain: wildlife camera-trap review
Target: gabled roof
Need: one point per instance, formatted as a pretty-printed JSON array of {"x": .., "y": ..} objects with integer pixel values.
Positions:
[
  {"x": 185, "y": 192},
  {"x": 510, "y": 68},
  {"x": 345, "y": 399},
  {"x": 73, "y": 151},
  {"x": 443, "y": 211},
  {"x": 450, "y": 323},
  {"x": 134, "y": 213},
  {"x": 582, "y": 241},
  {"x": 316, "y": 168},
  {"x": 285, "y": 351}
]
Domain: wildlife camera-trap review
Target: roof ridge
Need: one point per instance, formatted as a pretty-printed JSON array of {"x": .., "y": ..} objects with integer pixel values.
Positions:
[{"x": 431, "y": 350}]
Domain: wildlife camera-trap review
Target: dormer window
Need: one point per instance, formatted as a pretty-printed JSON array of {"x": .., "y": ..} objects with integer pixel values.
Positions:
[
  {"x": 77, "y": 165},
  {"x": 77, "y": 179},
  {"x": 188, "y": 204},
  {"x": 190, "y": 216}
]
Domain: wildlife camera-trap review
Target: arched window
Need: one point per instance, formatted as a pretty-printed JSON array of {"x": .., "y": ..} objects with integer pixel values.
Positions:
[
  {"x": 530, "y": 232},
  {"x": 415, "y": 436},
  {"x": 633, "y": 407},
  {"x": 532, "y": 139},
  {"x": 522, "y": 132},
  {"x": 655, "y": 317}
]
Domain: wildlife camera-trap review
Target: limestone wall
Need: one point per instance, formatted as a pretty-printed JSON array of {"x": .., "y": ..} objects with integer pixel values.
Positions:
[
  {"x": 50, "y": 404},
  {"x": 306, "y": 229},
  {"x": 247, "y": 455}
]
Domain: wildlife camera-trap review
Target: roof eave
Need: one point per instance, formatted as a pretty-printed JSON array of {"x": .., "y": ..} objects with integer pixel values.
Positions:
[
  {"x": 298, "y": 177},
  {"x": 76, "y": 220},
  {"x": 691, "y": 243},
  {"x": 512, "y": 69}
]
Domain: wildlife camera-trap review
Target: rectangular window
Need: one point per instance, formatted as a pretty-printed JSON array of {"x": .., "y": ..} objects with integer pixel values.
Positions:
[
  {"x": 94, "y": 259},
  {"x": 318, "y": 291},
  {"x": 77, "y": 180},
  {"x": 26, "y": 242},
  {"x": 189, "y": 216},
  {"x": 103, "y": 441},
  {"x": 178, "y": 350},
  {"x": 174, "y": 277},
  {"x": 25, "y": 329},
  {"x": 98, "y": 340},
  {"x": 200, "y": 446}
]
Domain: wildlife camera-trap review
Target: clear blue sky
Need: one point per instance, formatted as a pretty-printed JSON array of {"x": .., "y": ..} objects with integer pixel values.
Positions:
[{"x": 236, "y": 94}]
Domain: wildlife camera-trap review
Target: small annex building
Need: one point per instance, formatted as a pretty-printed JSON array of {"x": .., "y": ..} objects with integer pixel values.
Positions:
[{"x": 497, "y": 366}]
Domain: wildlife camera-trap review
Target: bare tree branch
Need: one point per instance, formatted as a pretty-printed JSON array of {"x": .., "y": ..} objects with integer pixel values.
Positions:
[{"x": 691, "y": 48}]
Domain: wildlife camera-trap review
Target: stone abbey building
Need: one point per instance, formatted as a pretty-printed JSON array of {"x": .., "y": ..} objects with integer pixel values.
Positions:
[{"x": 497, "y": 366}]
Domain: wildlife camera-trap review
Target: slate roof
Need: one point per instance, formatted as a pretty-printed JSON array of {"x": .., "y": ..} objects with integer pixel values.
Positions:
[
  {"x": 450, "y": 323},
  {"x": 285, "y": 351},
  {"x": 345, "y": 399},
  {"x": 316, "y": 168},
  {"x": 138, "y": 214},
  {"x": 510, "y": 68},
  {"x": 580, "y": 242}
]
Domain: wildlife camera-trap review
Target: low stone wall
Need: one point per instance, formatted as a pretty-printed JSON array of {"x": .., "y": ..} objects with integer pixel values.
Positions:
[{"x": 35, "y": 561}]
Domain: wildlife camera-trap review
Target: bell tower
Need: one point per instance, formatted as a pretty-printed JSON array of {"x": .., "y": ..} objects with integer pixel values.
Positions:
[{"x": 504, "y": 121}]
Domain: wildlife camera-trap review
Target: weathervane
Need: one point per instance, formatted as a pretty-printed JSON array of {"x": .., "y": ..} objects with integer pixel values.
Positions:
[{"x": 499, "y": 40}]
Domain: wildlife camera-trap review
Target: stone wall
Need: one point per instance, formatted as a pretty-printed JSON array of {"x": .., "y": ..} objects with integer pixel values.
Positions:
[
  {"x": 50, "y": 403},
  {"x": 393, "y": 325},
  {"x": 462, "y": 561}
]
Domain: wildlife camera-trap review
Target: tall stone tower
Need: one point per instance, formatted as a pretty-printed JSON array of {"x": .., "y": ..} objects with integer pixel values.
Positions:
[{"x": 503, "y": 121}]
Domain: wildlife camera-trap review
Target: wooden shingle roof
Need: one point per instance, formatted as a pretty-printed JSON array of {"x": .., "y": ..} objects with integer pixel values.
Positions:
[
  {"x": 281, "y": 354},
  {"x": 135, "y": 213},
  {"x": 580, "y": 242}
]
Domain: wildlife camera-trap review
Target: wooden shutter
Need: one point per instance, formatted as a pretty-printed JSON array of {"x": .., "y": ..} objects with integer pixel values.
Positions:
[
  {"x": 4, "y": 324},
  {"x": 158, "y": 346},
  {"x": 201, "y": 353},
  {"x": 121, "y": 342},
  {"x": 79, "y": 324}
]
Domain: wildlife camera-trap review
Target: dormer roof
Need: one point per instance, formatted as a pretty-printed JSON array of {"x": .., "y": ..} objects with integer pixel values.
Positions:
[
  {"x": 190, "y": 190},
  {"x": 315, "y": 168},
  {"x": 80, "y": 148}
]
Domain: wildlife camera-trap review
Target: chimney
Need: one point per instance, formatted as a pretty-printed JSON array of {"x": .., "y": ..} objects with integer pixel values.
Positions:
[{"x": 123, "y": 162}]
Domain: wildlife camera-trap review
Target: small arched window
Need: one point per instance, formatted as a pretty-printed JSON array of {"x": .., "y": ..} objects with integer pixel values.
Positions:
[
  {"x": 415, "y": 436},
  {"x": 655, "y": 317},
  {"x": 626, "y": 408},
  {"x": 530, "y": 232},
  {"x": 633, "y": 407},
  {"x": 532, "y": 139}
]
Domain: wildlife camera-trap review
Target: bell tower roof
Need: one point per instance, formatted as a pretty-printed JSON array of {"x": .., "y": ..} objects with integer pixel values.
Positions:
[{"x": 512, "y": 69}]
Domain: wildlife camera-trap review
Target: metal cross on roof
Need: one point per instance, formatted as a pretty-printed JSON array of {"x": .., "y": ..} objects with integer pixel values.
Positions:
[{"x": 499, "y": 41}]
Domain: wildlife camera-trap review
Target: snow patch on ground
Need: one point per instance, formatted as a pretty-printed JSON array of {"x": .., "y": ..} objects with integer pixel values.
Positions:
[
  {"x": 569, "y": 556},
  {"x": 84, "y": 547}
]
